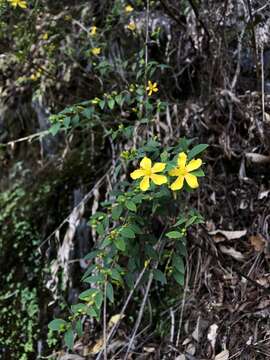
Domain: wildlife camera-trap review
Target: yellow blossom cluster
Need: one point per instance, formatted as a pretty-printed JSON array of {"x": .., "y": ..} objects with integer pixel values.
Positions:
[
  {"x": 182, "y": 172},
  {"x": 20, "y": 3}
]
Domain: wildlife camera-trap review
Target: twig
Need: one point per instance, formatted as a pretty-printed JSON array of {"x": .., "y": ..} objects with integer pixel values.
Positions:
[
  {"x": 172, "y": 324},
  {"x": 196, "y": 12},
  {"x": 26, "y": 138},
  {"x": 238, "y": 66},
  {"x": 262, "y": 74},
  {"x": 172, "y": 14},
  {"x": 254, "y": 41},
  {"x": 105, "y": 321},
  {"x": 255, "y": 283},
  {"x": 116, "y": 325},
  {"x": 82, "y": 202},
  {"x": 182, "y": 310},
  {"x": 159, "y": 246},
  {"x": 139, "y": 319}
]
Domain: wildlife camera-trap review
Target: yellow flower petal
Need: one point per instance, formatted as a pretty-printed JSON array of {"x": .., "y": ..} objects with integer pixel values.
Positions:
[
  {"x": 146, "y": 163},
  {"x": 181, "y": 161},
  {"x": 145, "y": 184},
  {"x": 192, "y": 181},
  {"x": 174, "y": 172},
  {"x": 158, "y": 179},
  {"x": 194, "y": 164},
  {"x": 136, "y": 174},
  {"x": 128, "y": 9},
  {"x": 23, "y": 4},
  {"x": 178, "y": 184},
  {"x": 158, "y": 167}
]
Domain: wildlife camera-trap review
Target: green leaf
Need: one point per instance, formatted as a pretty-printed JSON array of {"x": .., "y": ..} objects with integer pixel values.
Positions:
[
  {"x": 151, "y": 252},
  {"x": 164, "y": 156},
  {"x": 101, "y": 104},
  {"x": 67, "y": 121},
  {"x": 180, "y": 278},
  {"x": 191, "y": 220},
  {"x": 57, "y": 324},
  {"x": 92, "y": 312},
  {"x": 181, "y": 221},
  {"x": 178, "y": 264},
  {"x": 174, "y": 235},
  {"x": 120, "y": 243},
  {"x": 100, "y": 229},
  {"x": 79, "y": 328},
  {"x": 116, "y": 275},
  {"x": 54, "y": 129},
  {"x": 92, "y": 255},
  {"x": 159, "y": 276},
  {"x": 69, "y": 339},
  {"x": 98, "y": 299},
  {"x": 198, "y": 173},
  {"x": 136, "y": 228},
  {"x": 111, "y": 103},
  {"x": 88, "y": 113},
  {"x": 116, "y": 212},
  {"x": 76, "y": 119},
  {"x": 119, "y": 99},
  {"x": 78, "y": 308},
  {"x": 109, "y": 292},
  {"x": 197, "y": 150},
  {"x": 85, "y": 295},
  {"x": 107, "y": 241},
  {"x": 127, "y": 232},
  {"x": 131, "y": 205},
  {"x": 181, "y": 248},
  {"x": 94, "y": 279}
]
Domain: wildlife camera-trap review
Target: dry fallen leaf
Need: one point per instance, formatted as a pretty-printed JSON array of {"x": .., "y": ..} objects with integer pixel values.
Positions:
[
  {"x": 212, "y": 335},
  {"x": 224, "y": 355},
  {"x": 149, "y": 349},
  {"x": 230, "y": 235},
  {"x": 257, "y": 158},
  {"x": 71, "y": 357},
  {"x": 97, "y": 347},
  {"x": 263, "y": 194},
  {"x": 232, "y": 252},
  {"x": 266, "y": 117},
  {"x": 181, "y": 357},
  {"x": 114, "y": 319},
  {"x": 258, "y": 242},
  {"x": 196, "y": 333}
]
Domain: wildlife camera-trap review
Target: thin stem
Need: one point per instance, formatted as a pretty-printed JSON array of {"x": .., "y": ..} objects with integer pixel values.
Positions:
[
  {"x": 262, "y": 71},
  {"x": 139, "y": 319},
  {"x": 105, "y": 321}
]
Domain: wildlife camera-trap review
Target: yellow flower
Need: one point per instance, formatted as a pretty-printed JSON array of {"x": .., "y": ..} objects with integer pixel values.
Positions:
[
  {"x": 131, "y": 26},
  {"x": 128, "y": 9},
  {"x": 21, "y": 3},
  {"x": 36, "y": 76},
  {"x": 93, "y": 31},
  {"x": 183, "y": 172},
  {"x": 95, "y": 101},
  {"x": 96, "y": 51},
  {"x": 67, "y": 17},
  {"x": 45, "y": 36},
  {"x": 147, "y": 172},
  {"x": 151, "y": 88}
]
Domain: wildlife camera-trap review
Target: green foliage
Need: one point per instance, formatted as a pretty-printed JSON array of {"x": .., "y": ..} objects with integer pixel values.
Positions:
[
  {"x": 122, "y": 97},
  {"x": 18, "y": 302},
  {"x": 138, "y": 230}
]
